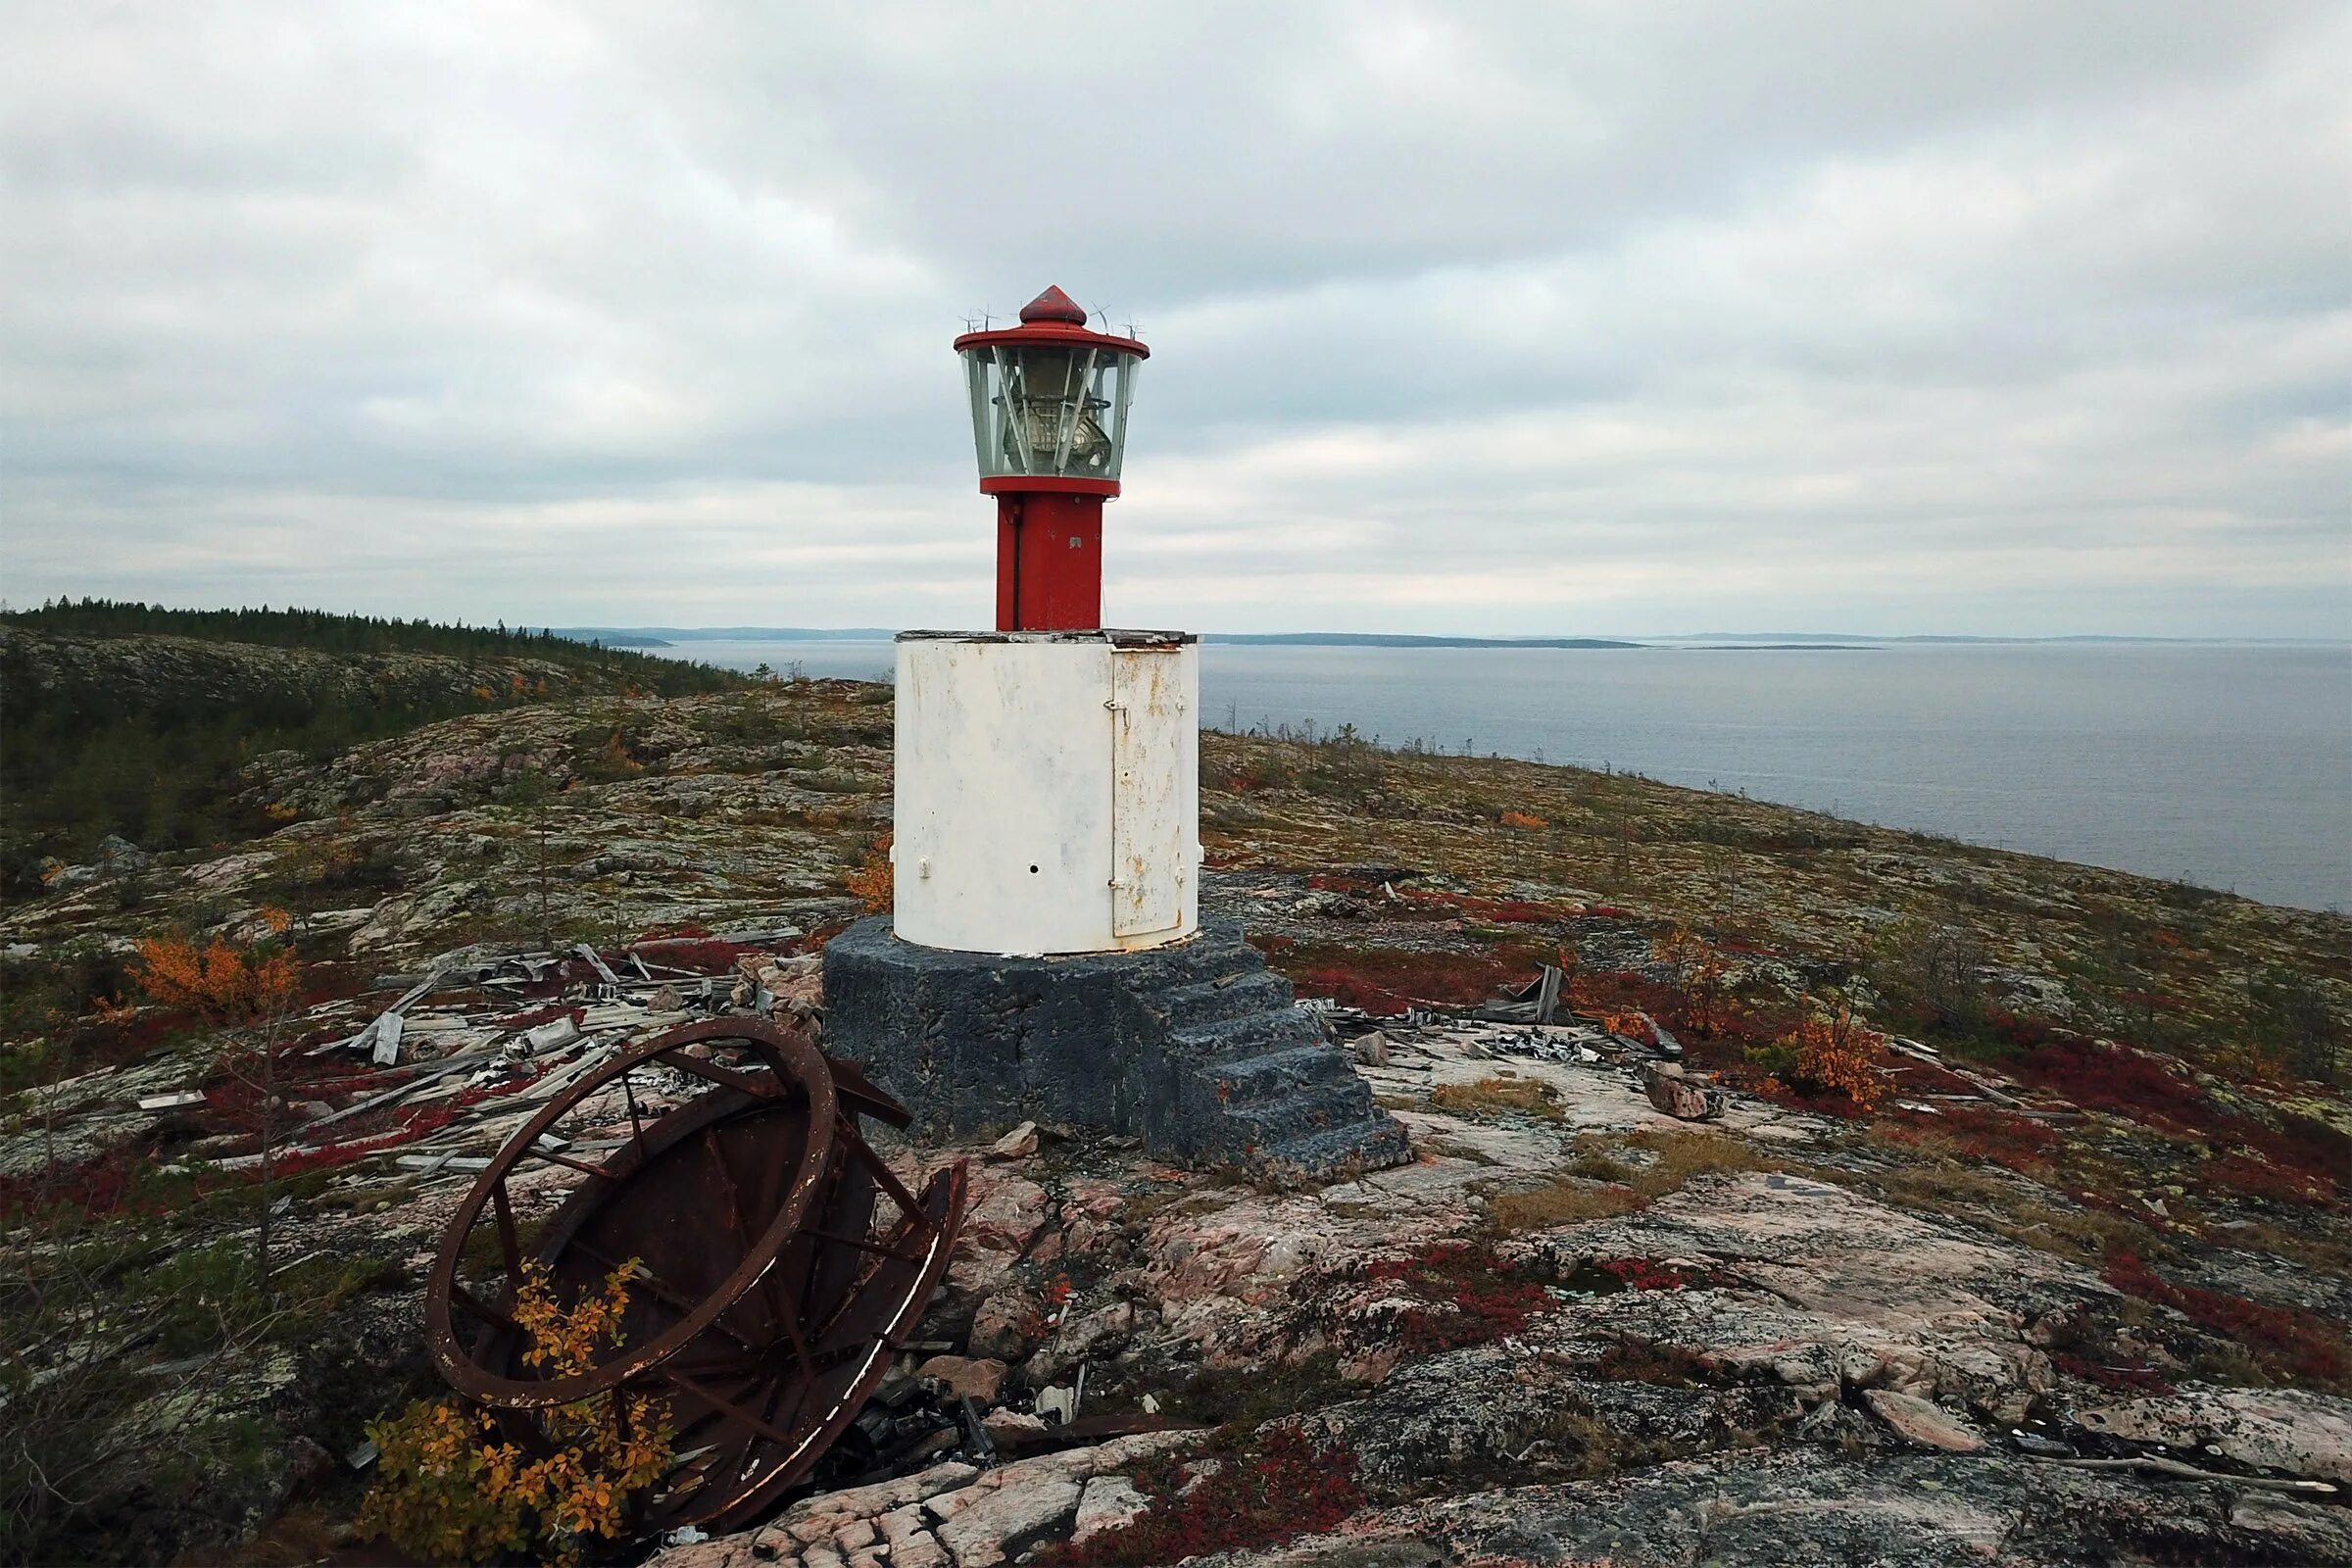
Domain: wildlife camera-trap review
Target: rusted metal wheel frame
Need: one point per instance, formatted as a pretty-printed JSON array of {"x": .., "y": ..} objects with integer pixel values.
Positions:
[
  {"x": 795, "y": 1063},
  {"x": 937, "y": 1213},
  {"x": 921, "y": 1240}
]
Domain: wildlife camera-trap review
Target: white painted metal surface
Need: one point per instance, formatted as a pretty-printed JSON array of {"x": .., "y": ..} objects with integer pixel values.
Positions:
[
  {"x": 1047, "y": 791},
  {"x": 1155, "y": 776}
]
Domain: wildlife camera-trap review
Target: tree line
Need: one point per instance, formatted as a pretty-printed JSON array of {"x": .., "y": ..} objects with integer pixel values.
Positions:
[
  {"x": 324, "y": 631},
  {"x": 156, "y": 762}
]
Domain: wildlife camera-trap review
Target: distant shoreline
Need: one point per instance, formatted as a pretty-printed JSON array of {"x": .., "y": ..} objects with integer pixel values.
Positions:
[{"x": 1711, "y": 641}]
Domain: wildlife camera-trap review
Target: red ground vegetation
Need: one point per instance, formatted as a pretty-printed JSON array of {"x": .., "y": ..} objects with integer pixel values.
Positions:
[
  {"x": 1289, "y": 1485},
  {"x": 2249, "y": 1176},
  {"x": 683, "y": 930},
  {"x": 1389, "y": 980},
  {"x": 324, "y": 981},
  {"x": 702, "y": 954},
  {"x": 1915, "y": 1077},
  {"x": 2286, "y": 1341},
  {"x": 2277, "y": 1155},
  {"x": 1634, "y": 1361},
  {"x": 1465, "y": 1295},
  {"x": 1984, "y": 1134},
  {"x": 1766, "y": 1087},
  {"x": 120, "y": 1036},
  {"x": 1648, "y": 1274},
  {"x": 97, "y": 1188},
  {"x": 819, "y": 936},
  {"x": 2025, "y": 1030},
  {"x": 327, "y": 1156},
  {"x": 2121, "y": 1081}
]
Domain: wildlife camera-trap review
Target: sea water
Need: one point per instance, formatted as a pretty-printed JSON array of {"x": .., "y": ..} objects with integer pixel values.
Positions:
[{"x": 2228, "y": 765}]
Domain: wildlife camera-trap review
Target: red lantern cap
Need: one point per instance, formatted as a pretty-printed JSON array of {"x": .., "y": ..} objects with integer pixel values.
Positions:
[{"x": 1053, "y": 305}]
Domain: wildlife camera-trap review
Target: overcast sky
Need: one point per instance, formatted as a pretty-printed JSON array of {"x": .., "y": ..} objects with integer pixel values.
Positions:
[{"x": 1607, "y": 318}]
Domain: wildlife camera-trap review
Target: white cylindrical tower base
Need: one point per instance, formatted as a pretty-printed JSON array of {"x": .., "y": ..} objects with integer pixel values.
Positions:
[{"x": 1047, "y": 791}]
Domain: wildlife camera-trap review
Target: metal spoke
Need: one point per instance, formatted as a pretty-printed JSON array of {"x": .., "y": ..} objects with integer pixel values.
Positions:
[
  {"x": 732, "y": 1411},
  {"x": 875, "y": 1248},
  {"x": 764, "y": 1337},
  {"x": 582, "y": 1166},
  {"x": 628, "y": 1092},
  {"x": 800, "y": 1343},
  {"x": 737, "y": 1226},
  {"x": 857, "y": 1092},
  {"x": 756, "y": 1088},
  {"x": 908, "y": 1204},
  {"x": 488, "y": 1314}
]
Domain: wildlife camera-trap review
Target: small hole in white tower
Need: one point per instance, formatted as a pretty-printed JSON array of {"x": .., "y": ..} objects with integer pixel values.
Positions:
[{"x": 1033, "y": 870}]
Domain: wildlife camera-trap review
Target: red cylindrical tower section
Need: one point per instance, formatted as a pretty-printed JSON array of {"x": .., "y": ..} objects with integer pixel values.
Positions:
[
  {"x": 1050, "y": 406},
  {"x": 1048, "y": 562}
]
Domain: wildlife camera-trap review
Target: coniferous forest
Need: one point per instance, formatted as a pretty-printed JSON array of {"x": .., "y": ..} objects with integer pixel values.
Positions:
[{"x": 134, "y": 719}]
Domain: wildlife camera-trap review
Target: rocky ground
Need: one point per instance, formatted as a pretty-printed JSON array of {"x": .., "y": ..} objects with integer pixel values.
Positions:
[{"x": 2071, "y": 1289}]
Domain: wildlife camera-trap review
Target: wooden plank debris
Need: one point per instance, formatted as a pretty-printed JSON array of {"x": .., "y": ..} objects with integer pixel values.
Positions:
[{"x": 439, "y": 1069}]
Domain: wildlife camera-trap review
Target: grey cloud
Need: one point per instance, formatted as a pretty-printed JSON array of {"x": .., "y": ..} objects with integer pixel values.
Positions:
[{"x": 1998, "y": 318}]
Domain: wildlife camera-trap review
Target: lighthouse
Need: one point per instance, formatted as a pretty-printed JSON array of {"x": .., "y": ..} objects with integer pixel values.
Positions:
[
  {"x": 1047, "y": 795},
  {"x": 1050, "y": 402},
  {"x": 1043, "y": 958}
]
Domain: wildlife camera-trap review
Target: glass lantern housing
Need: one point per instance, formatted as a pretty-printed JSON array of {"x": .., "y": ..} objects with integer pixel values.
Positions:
[{"x": 1049, "y": 410}]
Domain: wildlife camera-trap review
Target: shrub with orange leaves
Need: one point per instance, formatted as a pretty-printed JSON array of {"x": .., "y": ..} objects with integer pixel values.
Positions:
[
  {"x": 1833, "y": 1050},
  {"x": 221, "y": 982},
  {"x": 1628, "y": 1024},
  {"x": 873, "y": 881},
  {"x": 1522, "y": 820},
  {"x": 1700, "y": 970},
  {"x": 452, "y": 1488}
]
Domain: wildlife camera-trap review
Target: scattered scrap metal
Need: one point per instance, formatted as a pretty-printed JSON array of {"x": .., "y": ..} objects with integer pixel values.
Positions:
[
  {"x": 469, "y": 1046},
  {"x": 779, "y": 1264},
  {"x": 1530, "y": 1022}
]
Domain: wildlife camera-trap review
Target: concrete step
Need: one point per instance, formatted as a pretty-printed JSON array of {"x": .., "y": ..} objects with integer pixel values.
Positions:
[
  {"x": 1194, "y": 962},
  {"x": 1255, "y": 1034},
  {"x": 1235, "y": 995},
  {"x": 1261, "y": 1124},
  {"x": 1278, "y": 1073},
  {"x": 1375, "y": 1142}
]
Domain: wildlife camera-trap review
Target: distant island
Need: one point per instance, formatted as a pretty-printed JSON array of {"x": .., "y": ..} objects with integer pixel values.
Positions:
[{"x": 1378, "y": 639}]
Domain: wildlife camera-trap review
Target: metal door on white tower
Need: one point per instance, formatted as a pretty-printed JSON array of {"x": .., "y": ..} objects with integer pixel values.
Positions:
[{"x": 1152, "y": 778}]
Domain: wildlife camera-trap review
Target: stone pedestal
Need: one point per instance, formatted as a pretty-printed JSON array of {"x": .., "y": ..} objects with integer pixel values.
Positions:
[{"x": 1194, "y": 1046}]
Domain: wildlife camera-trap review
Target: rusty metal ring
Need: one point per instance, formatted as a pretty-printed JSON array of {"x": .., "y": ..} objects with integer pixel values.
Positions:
[{"x": 795, "y": 1064}]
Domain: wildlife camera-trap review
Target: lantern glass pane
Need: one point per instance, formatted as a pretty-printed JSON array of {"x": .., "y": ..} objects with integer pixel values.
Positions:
[{"x": 1049, "y": 410}]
